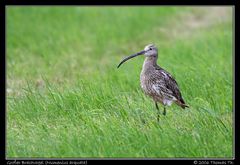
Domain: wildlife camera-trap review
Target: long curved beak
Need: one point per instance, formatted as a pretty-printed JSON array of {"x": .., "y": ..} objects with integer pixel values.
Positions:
[{"x": 129, "y": 57}]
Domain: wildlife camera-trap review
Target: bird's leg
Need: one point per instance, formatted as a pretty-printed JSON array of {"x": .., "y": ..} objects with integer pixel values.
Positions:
[
  {"x": 157, "y": 111},
  {"x": 164, "y": 110}
]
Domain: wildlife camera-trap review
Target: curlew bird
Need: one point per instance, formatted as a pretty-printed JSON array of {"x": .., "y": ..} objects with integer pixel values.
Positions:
[{"x": 156, "y": 82}]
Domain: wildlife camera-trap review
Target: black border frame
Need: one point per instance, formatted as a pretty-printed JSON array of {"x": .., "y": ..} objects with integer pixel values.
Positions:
[{"x": 108, "y": 160}]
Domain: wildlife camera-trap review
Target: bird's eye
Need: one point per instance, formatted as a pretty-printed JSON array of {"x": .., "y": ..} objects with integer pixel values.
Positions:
[{"x": 150, "y": 48}]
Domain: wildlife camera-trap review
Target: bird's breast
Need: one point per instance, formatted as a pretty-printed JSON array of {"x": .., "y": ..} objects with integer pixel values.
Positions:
[{"x": 145, "y": 81}]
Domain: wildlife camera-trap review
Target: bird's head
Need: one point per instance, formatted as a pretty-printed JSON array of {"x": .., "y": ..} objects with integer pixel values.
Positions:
[{"x": 149, "y": 51}]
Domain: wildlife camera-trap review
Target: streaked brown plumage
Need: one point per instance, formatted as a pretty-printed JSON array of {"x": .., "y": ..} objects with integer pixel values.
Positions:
[{"x": 156, "y": 82}]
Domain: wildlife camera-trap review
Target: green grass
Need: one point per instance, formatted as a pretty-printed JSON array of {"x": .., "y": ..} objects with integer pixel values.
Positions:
[{"x": 66, "y": 98}]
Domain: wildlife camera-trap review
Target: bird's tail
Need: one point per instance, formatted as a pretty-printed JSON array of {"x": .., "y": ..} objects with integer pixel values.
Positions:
[{"x": 182, "y": 104}]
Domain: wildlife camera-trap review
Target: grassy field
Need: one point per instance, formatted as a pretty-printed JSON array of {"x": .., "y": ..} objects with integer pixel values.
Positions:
[{"x": 66, "y": 98}]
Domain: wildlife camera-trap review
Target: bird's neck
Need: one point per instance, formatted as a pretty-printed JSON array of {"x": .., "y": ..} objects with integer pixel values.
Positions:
[{"x": 150, "y": 62}]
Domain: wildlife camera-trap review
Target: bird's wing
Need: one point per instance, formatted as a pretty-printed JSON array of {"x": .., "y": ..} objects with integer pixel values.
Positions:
[{"x": 167, "y": 84}]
